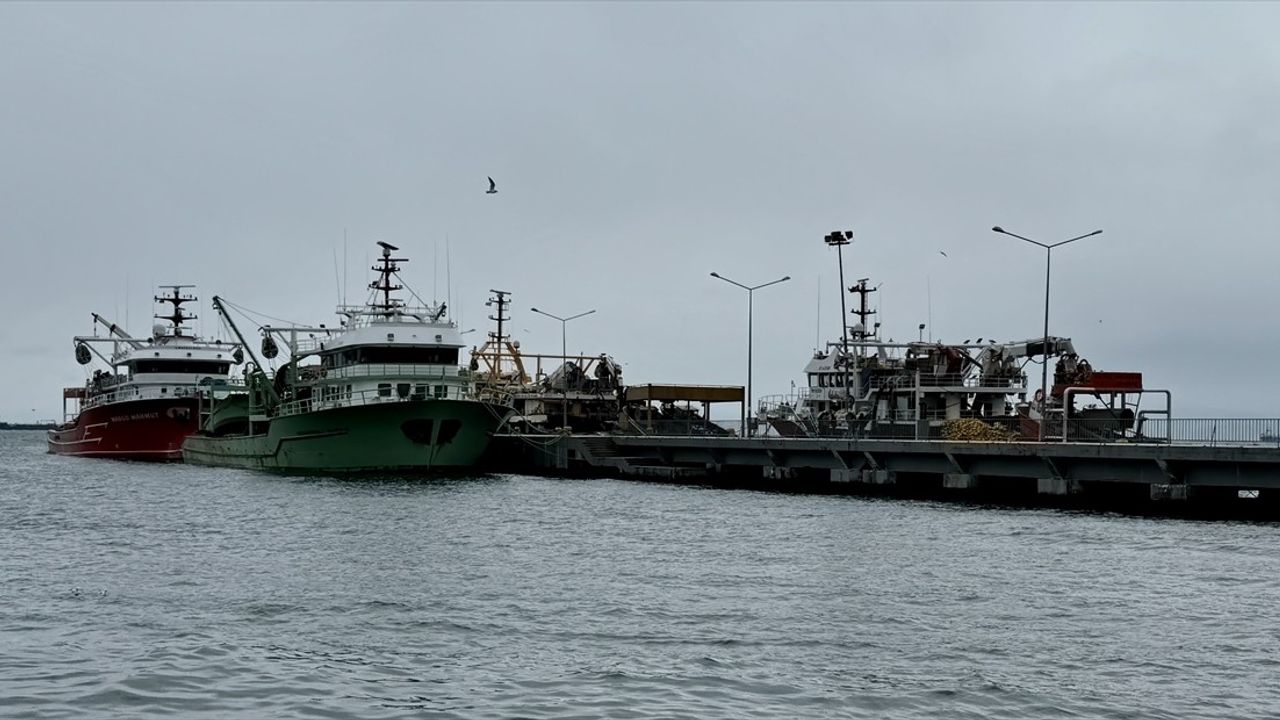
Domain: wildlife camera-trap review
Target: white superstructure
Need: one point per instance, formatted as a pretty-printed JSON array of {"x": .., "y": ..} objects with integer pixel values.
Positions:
[
  {"x": 383, "y": 351},
  {"x": 171, "y": 363}
]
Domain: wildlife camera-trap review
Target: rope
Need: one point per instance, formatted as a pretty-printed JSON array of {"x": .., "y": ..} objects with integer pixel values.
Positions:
[{"x": 246, "y": 312}]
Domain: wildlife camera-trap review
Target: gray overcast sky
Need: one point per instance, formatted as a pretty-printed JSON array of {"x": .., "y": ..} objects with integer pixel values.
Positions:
[{"x": 639, "y": 147}]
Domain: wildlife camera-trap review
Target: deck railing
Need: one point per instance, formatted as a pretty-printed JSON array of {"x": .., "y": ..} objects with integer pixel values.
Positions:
[
  {"x": 396, "y": 393},
  {"x": 414, "y": 370},
  {"x": 153, "y": 392}
]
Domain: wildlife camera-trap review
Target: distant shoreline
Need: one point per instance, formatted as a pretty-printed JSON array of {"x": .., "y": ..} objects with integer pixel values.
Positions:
[{"x": 27, "y": 426}]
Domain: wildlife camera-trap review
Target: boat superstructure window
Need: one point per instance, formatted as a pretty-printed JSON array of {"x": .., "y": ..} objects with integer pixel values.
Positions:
[
  {"x": 392, "y": 356},
  {"x": 179, "y": 365},
  {"x": 193, "y": 367}
]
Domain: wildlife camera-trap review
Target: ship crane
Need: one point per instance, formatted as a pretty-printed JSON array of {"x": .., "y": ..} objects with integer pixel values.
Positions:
[
  {"x": 998, "y": 359},
  {"x": 271, "y": 391},
  {"x": 116, "y": 335},
  {"x": 117, "y": 331}
]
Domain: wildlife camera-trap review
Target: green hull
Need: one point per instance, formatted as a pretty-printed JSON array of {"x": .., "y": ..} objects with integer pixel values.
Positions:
[{"x": 410, "y": 436}]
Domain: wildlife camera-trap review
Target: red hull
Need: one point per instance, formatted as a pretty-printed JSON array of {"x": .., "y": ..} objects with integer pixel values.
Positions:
[{"x": 131, "y": 430}]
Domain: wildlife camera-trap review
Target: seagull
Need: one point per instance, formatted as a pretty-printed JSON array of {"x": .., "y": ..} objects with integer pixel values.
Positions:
[
  {"x": 943, "y": 254},
  {"x": 493, "y": 188}
]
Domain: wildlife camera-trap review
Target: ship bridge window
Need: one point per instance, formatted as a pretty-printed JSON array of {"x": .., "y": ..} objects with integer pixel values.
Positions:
[
  {"x": 402, "y": 356},
  {"x": 194, "y": 367}
]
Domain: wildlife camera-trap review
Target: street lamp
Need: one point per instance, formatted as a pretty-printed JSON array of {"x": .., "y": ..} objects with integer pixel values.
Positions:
[
  {"x": 750, "y": 294},
  {"x": 1048, "y": 259},
  {"x": 838, "y": 239},
  {"x": 564, "y": 351}
]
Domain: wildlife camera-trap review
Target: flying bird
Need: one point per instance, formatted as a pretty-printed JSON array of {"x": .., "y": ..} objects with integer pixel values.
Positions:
[
  {"x": 493, "y": 188},
  {"x": 943, "y": 254}
]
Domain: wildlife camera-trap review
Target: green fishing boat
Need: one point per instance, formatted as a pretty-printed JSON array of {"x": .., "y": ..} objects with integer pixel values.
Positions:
[{"x": 383, "y": 392}]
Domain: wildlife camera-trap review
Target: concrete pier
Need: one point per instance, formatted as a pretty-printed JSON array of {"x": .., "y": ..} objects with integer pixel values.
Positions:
[{"x": 1145, "y": 477}]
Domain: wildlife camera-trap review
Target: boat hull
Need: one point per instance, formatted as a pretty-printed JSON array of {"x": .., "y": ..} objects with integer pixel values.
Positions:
[
  {"x": 406, "y": 436},
  {"x": 152, "y": 429}
]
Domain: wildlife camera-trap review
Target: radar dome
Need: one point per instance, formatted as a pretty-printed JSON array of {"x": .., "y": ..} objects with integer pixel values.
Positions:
[{"x": 157, "y": 330}]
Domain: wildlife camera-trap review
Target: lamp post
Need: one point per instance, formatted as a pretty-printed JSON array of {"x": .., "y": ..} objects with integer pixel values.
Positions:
[
  {"x": 838, "y": 239},
  {"x": 1048, "y": 260},
  {"x": 564, "y": 351},
  {"x": 750, "y": 295}
]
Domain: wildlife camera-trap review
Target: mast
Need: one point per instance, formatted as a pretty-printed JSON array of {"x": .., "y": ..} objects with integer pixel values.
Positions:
[
  {"x": 386, "y": 268},
  {"x": 178, "y": 316},
  {"x": 860, "y": 332},
  {"x": 498, "y": 338}
]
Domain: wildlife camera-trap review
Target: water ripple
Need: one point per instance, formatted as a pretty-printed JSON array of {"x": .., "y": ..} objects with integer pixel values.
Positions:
[{"x": 142, "y": 591}]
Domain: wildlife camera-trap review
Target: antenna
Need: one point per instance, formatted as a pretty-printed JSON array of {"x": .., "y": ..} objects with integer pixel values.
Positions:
[
  {"x": 817, "y": 333},
  {"x": 337, "y": 279},
  {"x": 880, "y": 308},
  {"x": 435, "y": 271},
  {"x": 928, "y": 287},
  {"x": 448, "y": 273},
  {"x": 344, "y": 266}
]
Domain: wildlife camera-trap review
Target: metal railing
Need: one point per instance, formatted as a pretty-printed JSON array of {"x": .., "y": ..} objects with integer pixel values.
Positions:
[
  {"x": 971, "y": 382},
  {"x": 414, "y": 370},
  {"x": 1239, "y": 432},
  {"x": 1141, "y": 429},
  {"x": 967, "y": 380},
  {"x": 380, "y": 396},
  {"x": 153, "y": 392}
]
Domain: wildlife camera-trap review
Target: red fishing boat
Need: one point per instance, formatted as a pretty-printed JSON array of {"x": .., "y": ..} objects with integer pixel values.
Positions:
[{"x": 150, "y": 398}]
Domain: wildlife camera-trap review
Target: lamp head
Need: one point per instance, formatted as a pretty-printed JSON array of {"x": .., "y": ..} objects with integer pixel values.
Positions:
[
  {"x": 997, "y": 229},
  {"x": 838, "y": 237}
]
